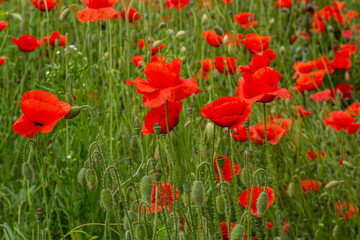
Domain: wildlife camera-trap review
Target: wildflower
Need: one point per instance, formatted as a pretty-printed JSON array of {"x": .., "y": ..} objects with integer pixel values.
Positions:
[{"x": 27, "y": 43}]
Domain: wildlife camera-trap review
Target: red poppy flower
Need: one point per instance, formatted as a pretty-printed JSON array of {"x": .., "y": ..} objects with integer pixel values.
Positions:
[
  {"x": 230, "y": 67},
  {"x": 350, "y": 211},
  {"x": 310, "y": 81},
  {"x": 257, "y": 62},
  {"x": 41, "y": 111},
  {"x": 303, "y": 67},
  {"x": 3, "y": 25},
  {"x": 165, "y": 198},
  {"x": 273, "y": 132},
  {"x": 302, "y": 112},
  {"x": 269, "y": 225},
  {"x": 212, "y": 38},
  {"x": 243, "y": 20},
  {"x": 27, "y": 43},
  {"x": 157, "y": 115},
  {"x": 256, "y": 43},
  {"x": 97, "y": 10},
  {"x": 138, "y": 60},
  {"x": 226, "y": 170},
  {"x": 345, "y": 89},
  {"x": 307, "y": 185},
  {"x": 286, "y": 226},
  {"x": 321, "y": 96},
  {"x": 282, "y": 122},
  {"x": 157, "y": 59},
  {"x": 53, "y": 37},
  {"x": 133, "y": 15},
  {"x": 164, "y": 84},
  {"x": 261, "y": 86},
  {"x": 315, "y": 155},
  {"x": 178, "y": 4},
  {"x": 341, "y": 63},
  {"x": 283, "y": 4},
  {"x": 154, "y": 51},
  {"x": 353, "y": 109},
  {"x": 225, "y": 230},
  {"x": 2, "y": 60},
  {"x": 246, "y": 194},
  {"x": 227, "y": 111},
  {"x": 207, "y": 64},
  {"x": 322, "y": 63},
  {"x": 233, "y": 41},
  {"x": 40, "y": 4},
  {"x": 270, "y": 54},
  {"x": 342, "y": 120},
  {"x": 240, "y": 135}
]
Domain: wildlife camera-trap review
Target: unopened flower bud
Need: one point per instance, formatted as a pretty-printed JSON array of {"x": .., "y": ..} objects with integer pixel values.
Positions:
[
  {"x": 332, "y": 184},
  {"x": 197, "y": 193},
  {"x": 291, "y": 189},
  {"x": 28, "y": 172},
  {"x": 107, "y": 199},
  {"x": 64, "y": 14},
  {"x": 146, "y": 188},
  {"x": 81, "y": 176},
  {"x": 157, "y": 128},
  {"x": 140, "y": 232},
  {"x": 91, "y": 179},
  {"x": 74, "y": 111},
  {"x": 39, "y": 214},
  {"x": 238, "y": 232},
  {"x": 157, "y": 174},
  {"x": 220, "y": 204},
  {"x": 219, "y": 31},
  {"x": 156, "y": 44},
  {"x": 262, "y": 203}
]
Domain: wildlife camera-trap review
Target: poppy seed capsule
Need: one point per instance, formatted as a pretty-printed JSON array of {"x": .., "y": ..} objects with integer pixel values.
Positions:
[
  {"x": 64, "y": 14},
  {"x": 157, "y": 174},
  {"x": 219, "y": 31},
  {"x": 220, "y": 204},
  {"x": 238, "y": 232},
  {"x": 28, "y": 172},
  {"x": 220, "y": 160},
  {"x": 291, "y": 189},
  {"x": 332, "y": 184},
  {"x": 39, "y": 214},
  {"x": 107, "y": 199},
  {"x": 74, "y": 111},
  {"x": 197, "y": 193},
  {"x": 157, "y": 128},
  {"x": 146, "y": 188},
  {"x": 140, "y": 232},
  {"x": 262, "y": 203},
  {"x": 81, "y": 176},
  {"x": 91, "y": 180}
]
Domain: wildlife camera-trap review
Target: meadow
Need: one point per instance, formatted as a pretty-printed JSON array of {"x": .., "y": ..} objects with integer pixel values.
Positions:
[{"x": 179, "y": 119}]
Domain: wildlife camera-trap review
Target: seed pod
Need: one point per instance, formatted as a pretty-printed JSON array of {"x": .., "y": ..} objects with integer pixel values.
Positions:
[
  {"x": 291, "y": 189},
  {"x": 220, "y": 204},
  {"x": 238, "y": 232},
  {"x": 157, "y": 128},
  {"x": 220, "y": 161},
  {"x": 262, "y": 203},
  {"x": 336, "y": 231},
  {"x": 332, "y": 184},
  {"x": 64, "y": 14},
  {"x": 146, "y": 188},
  {"x": 197, "y": 193},
  {"x": 81, "y": 176},
  {"x": 91, "y": 179},
  {"x": 107, "y": 199},
  {"x": 219, "y": 31},
  {"x": 140, "y": 232},
  {"x": 157, "y": 174},
  {"x": 156, "y": 44},
  {"x": 28, "y": 172},
  {"x": 39, "y": 214},
  {"x": 74, "y": 111}
]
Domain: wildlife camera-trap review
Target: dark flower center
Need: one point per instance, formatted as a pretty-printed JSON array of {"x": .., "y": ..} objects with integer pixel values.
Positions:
[{"x": 38, "y": 124}]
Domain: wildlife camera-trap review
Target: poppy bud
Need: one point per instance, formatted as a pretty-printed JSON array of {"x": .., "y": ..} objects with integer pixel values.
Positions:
[
  {"x": 170, "y": 32},
  {"x": 187, "y": 188},
  {"x": 146, "y": 188},
  {"x": 238, "y": 232},
  {"x": 157, "y": 174},
  {"x": 212, "y": 13},
  {"x": 74, "y": 111},
  {"x": 262, "y": 203},
  {"x": 134, "y": 142},
  {"x": 16, "y": 16},
  {"x": 64, "y": 14},
  {"x": 91, "y": 179},
  {"x": 219, "y": 31},
  {"x": 187, "y": 124},
  {"x": 291, "y": 189},
  {"x": 156, "y": 44},
  {"x": 140, "y": 232},
  {"x": 129, "y": 221},
  {"x": 244, "y": 176},
  {"x": 347, "y": 164},
  {"x": 81, "y": 176},
  {"x": 332, "y": 184},
  {"x": 179, "y": 34},
  {"x": 336, "y": 231},
  {"x": 250, "y": 19},
  {"x": 39, "y": 214},
  {"x": 225, "y": 40},
  {"x": 162, "y": 25},
  {"x": 157, "y": 153},
  {"x": 204, "y": 19},
  {"x": 197, "y": 193},
  {"x": 28, "y": 172},
  {"x": 209, "y": 130},
  {"x": 157, "y": 128},
  {"x": 107, "y": 199},
  {"x": 220, "y": 160},
  {"x": 220, "y": 204}
]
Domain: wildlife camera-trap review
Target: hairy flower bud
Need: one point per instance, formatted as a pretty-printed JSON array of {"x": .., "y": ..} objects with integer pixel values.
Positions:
[
  {"x": 107, "y": 199},
  {"x": 291, "y": 189},
  {"x": 197, "y": 193},
  {"x": 262, "y": 203},
  {"x": 74, "y": 111},
  {"x": 146, "y": 188},
  {"x": 238, "y": 232},
  {"x": 81, "y": 176},
  {"x": 220, "y": 204},
  {"x": 28, "y": 172},
  {"x": 91, "y": 179}
]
